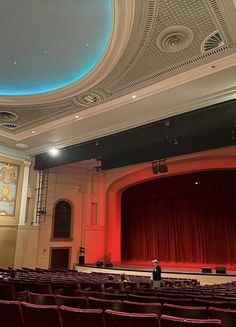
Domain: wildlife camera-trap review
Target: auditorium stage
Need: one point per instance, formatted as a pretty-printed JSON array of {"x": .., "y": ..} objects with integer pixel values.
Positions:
[{"x": 174, "y": 270}]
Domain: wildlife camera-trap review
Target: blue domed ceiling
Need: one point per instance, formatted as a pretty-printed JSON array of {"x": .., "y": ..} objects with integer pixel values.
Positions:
[{"x": 49, "y": 44}]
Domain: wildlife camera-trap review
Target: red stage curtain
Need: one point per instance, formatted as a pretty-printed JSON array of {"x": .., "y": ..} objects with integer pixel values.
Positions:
[{"x": 177, "y": 220}]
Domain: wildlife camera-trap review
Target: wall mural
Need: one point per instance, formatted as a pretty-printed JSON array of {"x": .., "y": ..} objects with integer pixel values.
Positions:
[{"x": 8, "y": 187}]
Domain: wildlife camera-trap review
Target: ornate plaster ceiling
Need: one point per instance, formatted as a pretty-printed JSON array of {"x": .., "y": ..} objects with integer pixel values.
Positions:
[
  {"x": 164, "y": 57},
  {"x": 46, "y": 45}
]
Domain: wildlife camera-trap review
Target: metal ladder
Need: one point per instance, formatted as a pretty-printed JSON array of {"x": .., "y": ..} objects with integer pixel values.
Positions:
[{"x": 42, "y": 193}]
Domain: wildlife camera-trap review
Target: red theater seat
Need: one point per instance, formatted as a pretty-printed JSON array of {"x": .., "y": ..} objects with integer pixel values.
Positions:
[
  {"x": 113, "y": 296},
  {"x": 177, "y": 301},
  {"x": 8, "y": 292},
  {"x": 10, "y": 314},
  {"x": 105, "y": 304},
  {"x": 169, "y": 321},
  {"x": 138, "y": 298},
  {"x": 185, "y": 311},
  {"x": 36, "y": 298},
  {"x": 35, "y": 315},
  {"x": 207, "y": 303},
  {"x": 140, "y": 307},
  {"x": 72, "y": 301},
  {"x": 123, "y": 319},
  {"x": 227, "y": 316},
  {"x": 81, "y": 317}
]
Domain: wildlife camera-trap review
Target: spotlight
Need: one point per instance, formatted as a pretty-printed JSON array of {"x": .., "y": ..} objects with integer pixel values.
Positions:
[
  {"x": 162, "y": 167},
  {"x": 99, "y": 165},
  {"x": 154, "y": 167},
  {"x": 234, "y": 133},
  {"x": 54, "y": 152},
  {"x": 159, "y": 166}
]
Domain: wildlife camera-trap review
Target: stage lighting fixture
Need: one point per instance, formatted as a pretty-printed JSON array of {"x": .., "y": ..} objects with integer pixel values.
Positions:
[
  {"x": 154, "y": 167},
  {"x": 159, "y": 166},
  {"x": 162, "y": 167}
]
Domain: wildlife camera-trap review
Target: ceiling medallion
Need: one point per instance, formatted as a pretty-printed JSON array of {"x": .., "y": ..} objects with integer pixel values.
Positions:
[
  {"x": 87, "y": 99},
  {"x": 90, "y": 98},
  {"x": 174, "y": 39},
  {"x": 7, "y": 116}
]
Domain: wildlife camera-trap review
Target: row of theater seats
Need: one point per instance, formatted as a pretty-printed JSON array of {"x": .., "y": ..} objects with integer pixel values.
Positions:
[
  {"x": 22, "y": 314},
  {"x": 190, "y": 297},
  {"x": 118, "y": 299},
  {"x": 226, "y": 316},
  {"x": 59, "y": 276}
]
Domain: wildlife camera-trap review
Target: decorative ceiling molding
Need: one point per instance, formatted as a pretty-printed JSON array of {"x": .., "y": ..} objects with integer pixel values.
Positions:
[{"x": 142, "y": 94}]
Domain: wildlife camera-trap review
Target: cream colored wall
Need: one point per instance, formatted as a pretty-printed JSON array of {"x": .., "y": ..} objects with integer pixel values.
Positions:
[
  {"x": 26, "y": 246},
  {"x": 81, "y": 188},
  {"x": 7, "y": 245}
]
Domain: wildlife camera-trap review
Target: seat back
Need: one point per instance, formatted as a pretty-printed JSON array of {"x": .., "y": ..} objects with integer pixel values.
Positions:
[
  {"x": 105, "y": 304},
  {"x": 10, "y": 314},
  {"x": 85, "y": 293},
  {"x": 7, "y": 292},
  {"x": 185, "y": 311},
  {"x": 72, "y": 301},
  {"x": 40, "y": 315},
  {"x": 227, "y": 316},
  {"x": 207, "y": 303},
  {"x": 170, "y": 321},
  {"x": 113, "y": 296},
  {"x": 46, "y": 299},
  {"x": 139, "y": 307},
  {"x": 42, "y": 288},
  {"x": 179, "y": 301},
  {"x": 81, "y": 317},
  {"x": 138, "y": 298},
  {"x": 70, "y": 288},
  {"x": 121, "y": 319},
  {"x": 97, "y": 287}
]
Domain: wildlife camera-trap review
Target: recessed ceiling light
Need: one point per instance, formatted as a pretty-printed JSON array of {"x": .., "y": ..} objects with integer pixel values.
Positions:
[
  {"x": 54, "y": 151},
  {"x": 77, "y": 116},
  {"x": 134, "y": 96},
  {"x": 196, "y": 183},
  {"x": 33, "y": 132}
]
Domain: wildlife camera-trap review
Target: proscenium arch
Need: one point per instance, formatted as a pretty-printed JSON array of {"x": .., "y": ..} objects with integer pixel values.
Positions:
[
  {"x": 71, "y": 207},
  {"x": 113, "y": 196}
]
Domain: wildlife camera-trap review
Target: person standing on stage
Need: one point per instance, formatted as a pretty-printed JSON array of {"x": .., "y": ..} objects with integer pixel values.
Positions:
[{"x": 156, "y": 274}]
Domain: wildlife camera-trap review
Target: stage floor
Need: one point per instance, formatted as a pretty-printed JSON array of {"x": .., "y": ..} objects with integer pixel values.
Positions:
[
  {"x": 178, "y": 267},
  {"x": 175, "y": 270},
  {"x": 173, "y": 267}
]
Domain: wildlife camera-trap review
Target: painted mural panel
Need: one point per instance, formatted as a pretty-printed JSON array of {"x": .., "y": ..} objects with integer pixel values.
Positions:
[{"x": 9, "y": 174}]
